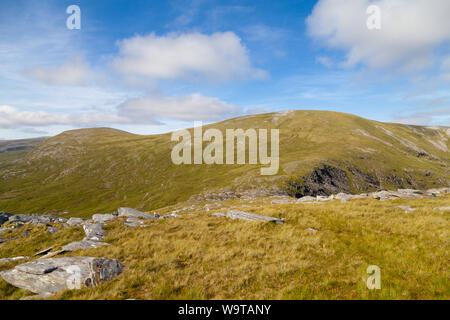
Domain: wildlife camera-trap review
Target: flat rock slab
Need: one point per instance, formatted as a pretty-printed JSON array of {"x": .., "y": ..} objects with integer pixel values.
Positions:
[
  {"x": 6, "y": 260},
  {"x": 45, "y": 251},
  {"x": 406, "y": 208},
  {"x": 133, "y": 213},
  {"x": 134, "y": 222},
  {"x": 49, "y": 276},
  {"x": 442, "y": 208},
  {"x": 83, "y": 245},
  {"x": 242, "y": 215},
  {"x": 102, "y": 218}
]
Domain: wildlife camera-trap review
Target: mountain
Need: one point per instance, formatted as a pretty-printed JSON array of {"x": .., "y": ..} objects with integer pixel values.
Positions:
[{"x": 97, "y": 170}]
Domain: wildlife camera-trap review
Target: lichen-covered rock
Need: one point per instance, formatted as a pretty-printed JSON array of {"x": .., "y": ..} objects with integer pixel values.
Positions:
[
  {"x": 49, "y": 276},
  {"x": 94, "y": 231}
]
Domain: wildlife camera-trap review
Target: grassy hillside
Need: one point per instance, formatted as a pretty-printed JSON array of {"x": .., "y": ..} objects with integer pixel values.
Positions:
[
  {"x": 97, "y": 170},
  {"x": 200, "y": 256}
]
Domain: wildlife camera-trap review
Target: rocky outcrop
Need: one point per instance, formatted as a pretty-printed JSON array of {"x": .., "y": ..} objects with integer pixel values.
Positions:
[{"x": 50, "y": 276}]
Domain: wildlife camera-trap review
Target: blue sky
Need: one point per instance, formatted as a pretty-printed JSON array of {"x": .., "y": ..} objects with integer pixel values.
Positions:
[{"x": 153, "y": 66}]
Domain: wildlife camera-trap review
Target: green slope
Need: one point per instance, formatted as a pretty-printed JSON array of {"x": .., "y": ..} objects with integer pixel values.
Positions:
[{"x": 97, "y": 170}]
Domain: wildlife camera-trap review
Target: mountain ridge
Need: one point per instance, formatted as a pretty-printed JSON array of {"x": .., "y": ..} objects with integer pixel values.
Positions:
[{"x": 321, "y": 152}]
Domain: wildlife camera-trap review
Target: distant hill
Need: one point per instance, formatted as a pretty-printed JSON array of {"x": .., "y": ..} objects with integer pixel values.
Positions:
[{"x": 321, "y": 152}]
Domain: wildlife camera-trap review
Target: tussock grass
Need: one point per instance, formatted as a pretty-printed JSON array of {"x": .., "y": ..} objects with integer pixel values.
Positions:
[{"x": 199, "y": 256}]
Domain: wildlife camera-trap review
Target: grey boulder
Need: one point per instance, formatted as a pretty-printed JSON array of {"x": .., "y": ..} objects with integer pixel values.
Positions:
[
  {"x": 306, "y": 199},
  {"x": 133, "y": 213},
  {"x": 102, "y": 218},
  {"x": 75, "y": 222},
  {"x": 50, "y": 276},
  {"x": 94, "y": 231}
]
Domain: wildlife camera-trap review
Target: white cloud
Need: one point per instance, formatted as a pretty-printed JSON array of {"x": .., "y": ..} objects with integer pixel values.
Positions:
[
  {"x": 11, "y": 117},
  {"x": 325, "y": 61},
  {"x": 220, "y": 56},
  {"x": 75, "y": 72},
  {"x": 187, "y": 108},
  {"x": 410, "y": 30}
]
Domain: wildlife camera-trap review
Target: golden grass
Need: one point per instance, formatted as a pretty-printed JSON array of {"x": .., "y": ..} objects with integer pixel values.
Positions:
[{"x": 199, "y": 256}]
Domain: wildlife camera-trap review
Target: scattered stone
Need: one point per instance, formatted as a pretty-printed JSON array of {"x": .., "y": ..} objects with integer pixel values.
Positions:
[
  {"x": 344, "y": 200},
  {"x": 133, "y": 222},
  {"x": 312, "y": 230},
  {"x": 386, "y": 195},
  {"x": 6, "y": 260},
  {"x": 406, "y": 208},
  {"x": 342, "y": 195},
  {"x": 75, "y": 222},
  {"x": 280, "y": 201},
  {"x": 128, "y": 212},
  {"x": 94, "y": 231},
  {"x": 442, "y": 208},
  {"x": 44, "y": 251},
  {"x": 50, "y": 276},
  {"x": 306, "y": 199},
  {"x": 242, "y": 215},
  {"x": 51, "y": 229},
  {"x": 83, "y": 245},
  {"x": 52, "y": 254},
  {"x": 102, "y": 218},
  {"x": 219, "y": 214}
]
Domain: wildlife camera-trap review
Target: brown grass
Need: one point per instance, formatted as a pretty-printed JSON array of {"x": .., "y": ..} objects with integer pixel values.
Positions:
[{"x": 199, "y": 256}]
